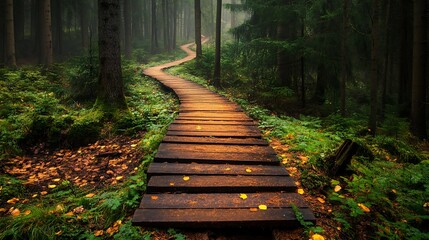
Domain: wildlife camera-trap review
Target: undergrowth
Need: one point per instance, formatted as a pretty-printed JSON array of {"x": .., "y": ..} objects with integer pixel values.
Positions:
[{"x": 40, "y": 109}]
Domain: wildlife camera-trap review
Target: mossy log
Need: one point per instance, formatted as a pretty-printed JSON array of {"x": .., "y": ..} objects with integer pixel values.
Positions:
[{"x": 343, "y": 157}]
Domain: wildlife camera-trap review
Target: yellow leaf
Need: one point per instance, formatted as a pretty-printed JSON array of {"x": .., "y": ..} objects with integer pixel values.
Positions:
[
  {"x": 243, "y": 196},
  {"x": 300, "y": 191},
  {"x": 172, "y": 184},
  {"x": 34, "y": 195},
  {"x": 27, "y": 212},
  {"x": 337, "y": 188},
  {"x": 69, "y": 214},
  {"x": 52, "y": 186},
  {"x": 59, "y": 208},
  {"x": 56, "y": 180},
  {"x": 2, "y": 210},
  {"x": 90, "y": 195},
  {"x": 15, "y": 212},
  {"x": 13, "y": 200},
  {"x": 364, "y": 208},
  {"x": 119, "y": 177},
  {"x": 186, "y": 178},
  {"x": 228, "y": 169},
  {"x": 253, "y": 209},
  {"x": 133, "y": 145},
  {"x": 43, "y": 193},
  {"x": 154, "y": 197},
  {"x": 59, "y": 233},
  {"x": 98, "y": 233},
  {"x": 321, "y": 200},
  {"x": 248, "y": 170},
  {"x": 317, "y": 237},
  {"x": 262, "y": 207}
]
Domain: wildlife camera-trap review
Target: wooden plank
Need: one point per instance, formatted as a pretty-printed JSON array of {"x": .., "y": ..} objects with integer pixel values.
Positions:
[
  {"x": 215, "y": 140},
  {"x": 214, "y": 122},
  {"x": 213, "y": 158},
  {"x": 214, "y": 114},
  {"x": 214, "y": 169},
  {"x": 221, "y": 200},
  {"x": 217, "y": 184},
  {"x": 213, "y": 119},
  {"x": 211, "y": 128},
  {"x": 209, "y": 148},
  {"x": 220, "y": 218},
  {"x": 231, "y": 134}
]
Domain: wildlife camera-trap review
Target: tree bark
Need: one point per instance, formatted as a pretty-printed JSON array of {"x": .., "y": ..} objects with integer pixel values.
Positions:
[
  {"x": 197, "y": 6},
  {"x": 344, "y": 54},
  {"x": 233, "y": 16},
  {"x": 375, "y": 36},
  {"x": 154, "y": 34},
  {"x": 216, "y": 75},
  {"x": 83, "y": 12},
  {"x": 418, "y": 98},
  {"x": 110, "y": 84},
  {"x": 128, "y": 31},
  {"x": 10, "y": 35},
  {"x": 46, "y": 55}
]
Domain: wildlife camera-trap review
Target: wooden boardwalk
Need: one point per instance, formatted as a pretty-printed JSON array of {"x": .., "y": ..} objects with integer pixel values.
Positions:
[{"x": 213, "y": 169}]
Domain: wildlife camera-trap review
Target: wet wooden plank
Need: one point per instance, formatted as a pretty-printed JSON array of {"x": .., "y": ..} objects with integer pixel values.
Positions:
[
  {"x": 212, "y": 158},
  {"x": 213, "y": 122},
  {"x": 212, "y": 128},
  {"x": 220, "y": 184},
  {"x": 231, "y": 134},
  {"x": 215, "y": 140},
  {"x": 209, "y": 148},
  {"x": 214, "y": 169},
  {"x": 203, "y": 118},
  {"x": 222, "y": 200},
  {"x": 214, "y": 114},
  {"x": 220, "y": 218}
]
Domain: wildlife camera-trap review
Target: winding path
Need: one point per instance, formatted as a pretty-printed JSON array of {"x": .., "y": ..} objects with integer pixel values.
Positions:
[{"x": 213, "y": 169}]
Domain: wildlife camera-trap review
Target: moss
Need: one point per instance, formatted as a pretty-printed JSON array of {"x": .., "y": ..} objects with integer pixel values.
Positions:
[{"x": 86, "y": 128}]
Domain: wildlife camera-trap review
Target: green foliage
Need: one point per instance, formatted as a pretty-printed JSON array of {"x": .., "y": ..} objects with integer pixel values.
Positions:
[{"x": 84, "y": 77}]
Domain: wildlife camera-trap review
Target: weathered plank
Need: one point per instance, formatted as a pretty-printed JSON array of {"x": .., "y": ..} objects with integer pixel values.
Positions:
[
  {"x": 215, "y": 140},
  {"x": 213, "y": 122},
  {"x": 214, "y": 169},
  {"x": 220, "y": 184},
  {"x": 212, "y": 158},
  {"x": 211, "y": 128},
  {"x": 231, "y": 134},
  {"x": 208, "y": 148},
  {"x": 220, "y": 218},
  {"x": 222, "y": 200}
]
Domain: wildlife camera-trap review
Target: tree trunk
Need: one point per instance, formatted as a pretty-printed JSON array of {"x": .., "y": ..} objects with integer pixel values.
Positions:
[
  {"x": 216, "y": 75},
  {"x": 197, "y": 5},
  {"x": 375, "y": 36},
  {"x": 110, "y": 84},
  {"x": 127, "y": 28},
  {"x": 19, "y": 19},
  {"x": 166, "y": 24},
  {"x": 386, "y": 59},
  {"x": 344, "y": 54},
  {"x": 174, "y": 26},
  {"x": 233, "y": 16},
  {"x": 46, "y": 56},
  {"x": 57, "y": 26},
  {"x": 303, "y": 95},
  {"x": 83, "y": 12},
  {"x": 10, "y": 35},
  {"x": 2, "y": 35},
  {"x": 154, "y": 35},
  {"x": 418, "y": 98}
]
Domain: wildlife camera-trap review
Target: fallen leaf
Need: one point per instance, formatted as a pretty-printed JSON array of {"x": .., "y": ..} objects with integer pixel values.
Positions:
[
  {"x": 172, "y": 184},
  {"x": 43, "y": 193},
  {"x": 13, "y": 200},
  {"x": 364, "y": 208},
  {"x": 228, "y": 169},
  {"x": 248, "y": 170},
  {"x": 78, "y": 210},
  {"x": 186, "y": 178},
  {"x": 337, "y": 188},
  {"x": 98, "y": 233},
  {"x": 27, "y": 212},
  {"x": 243, "y": 196},
  {"x": 119, "y": 178},
  {"x": 394, "y": 191},
  {"x": 56, "y": 180},
  {"x": 69, "y": 214},
  {"x": 426, "y": 205},
  {"x": 52, "y": 186},
  {"x": 198, "y": 127},
  {"x": 133, "y": 145},
  {"x": 154, "y": 197},
  {"x": 253, "y": 209},
  {"x": 262, "y": 207},
  {"x": 34, "y": 195},
  {"x": 59, "y": 233},
  {"x": 90, "y": 195},
  {"x": 3, "y": 210},
  {"x": 15, "y": 212},
  {"x": 321, "y": 200},
  {"x": 317, "y": 237},
  {"x": 300, "y": 191},
  {"x": 59, "y": 208}
]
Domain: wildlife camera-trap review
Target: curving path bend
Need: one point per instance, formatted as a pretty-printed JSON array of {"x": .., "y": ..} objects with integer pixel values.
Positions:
[{"x": 213, "y": 169}]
